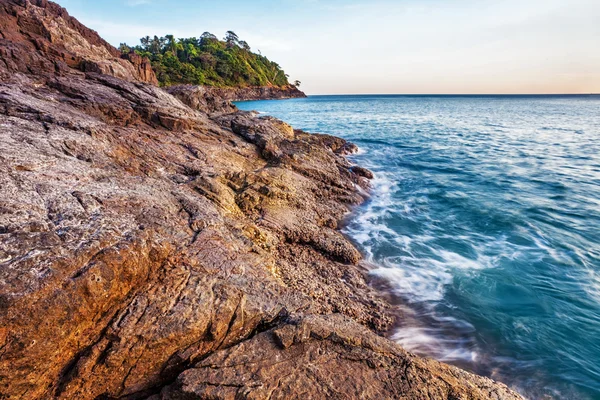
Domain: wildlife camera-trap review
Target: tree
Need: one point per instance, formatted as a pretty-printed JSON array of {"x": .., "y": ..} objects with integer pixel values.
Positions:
[
  {"x": 231, "y": 39},
  {"x": 124, "y": 49},
  {"x": 145, "y": 42},
  {"x": 297, "y": 83},
  {"x": 208, "y": 35},
  {"x": 156, "y": 44},
  {"x": 190, "y": 52},
  {"x": 208, "y": 39},
  {"x": 244, "y": 45},
  {"x": 209, "y": 61},
  {"x": 171, "y": 44}
]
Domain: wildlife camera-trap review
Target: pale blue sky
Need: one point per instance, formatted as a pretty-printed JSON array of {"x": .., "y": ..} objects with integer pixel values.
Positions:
[{"x": 384, "y": 46}]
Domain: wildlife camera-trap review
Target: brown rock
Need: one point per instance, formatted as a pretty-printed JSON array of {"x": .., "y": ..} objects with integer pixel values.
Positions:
[
  {"x": 201, "y": 98},
  {"x": 40, "y": 37},
  {"x": 360, "y": 171},
  {"x": 143, "y": 67},
  {"x": 320, "y": 357},
  {"x": 216, "y": 101}
]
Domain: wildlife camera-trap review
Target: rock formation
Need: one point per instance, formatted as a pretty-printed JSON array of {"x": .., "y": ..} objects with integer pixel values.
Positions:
[
  {"x": 148, "y": 250},
  {"x": 212, "y": 99},
  {"x": 255, "y": 93}
]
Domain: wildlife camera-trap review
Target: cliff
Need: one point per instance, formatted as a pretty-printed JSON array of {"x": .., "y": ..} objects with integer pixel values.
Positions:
[
  {"x": 149, "y": 250},
  {"x": 39, "y": 36}
]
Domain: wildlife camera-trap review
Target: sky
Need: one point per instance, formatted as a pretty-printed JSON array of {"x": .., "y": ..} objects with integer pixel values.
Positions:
[{"x": 385, "y": 46}]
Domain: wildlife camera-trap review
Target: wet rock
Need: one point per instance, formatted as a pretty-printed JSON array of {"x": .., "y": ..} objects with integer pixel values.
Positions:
[
  {"x": 360, "y": 171},
  {"x": 347, "y": 149}
]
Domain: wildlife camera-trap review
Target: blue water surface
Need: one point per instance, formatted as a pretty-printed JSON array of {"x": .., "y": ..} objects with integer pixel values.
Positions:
[{"x": 485, "y": 221}]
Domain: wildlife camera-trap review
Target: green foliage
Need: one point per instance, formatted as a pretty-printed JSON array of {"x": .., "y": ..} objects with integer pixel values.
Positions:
[
  {"x": 208, "y": 61},
  {"x": 123, "y": 48}
]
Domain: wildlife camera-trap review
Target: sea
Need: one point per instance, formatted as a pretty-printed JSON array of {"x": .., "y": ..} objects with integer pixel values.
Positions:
[{"x": 483, "y": 223}]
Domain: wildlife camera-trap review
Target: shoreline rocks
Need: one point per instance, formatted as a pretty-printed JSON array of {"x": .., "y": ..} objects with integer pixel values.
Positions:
[
  {"x": 255, "y": 93},
  {"x": 212, "y": 100},
  {"x": 303, "y": 357},
  {"x": 145, "y": 244}
]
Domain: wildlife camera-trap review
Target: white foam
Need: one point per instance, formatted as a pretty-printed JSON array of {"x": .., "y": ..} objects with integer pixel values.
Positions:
[
  {"x": 359, "y": 151},
  {"x": 431, "y": 342},
  {"x": 367, "y": 226},
  {"x": 454, "y": 260},
  {"x": 421, "y": 271},
  {"x": 415, "y": 284}
]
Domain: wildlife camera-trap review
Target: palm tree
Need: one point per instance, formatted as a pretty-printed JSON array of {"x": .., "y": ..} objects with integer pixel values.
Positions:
[
  {"x": 156, "y": 44},
  {"x": 145, "y": 42},
  {"x": 171, "y": 44}
]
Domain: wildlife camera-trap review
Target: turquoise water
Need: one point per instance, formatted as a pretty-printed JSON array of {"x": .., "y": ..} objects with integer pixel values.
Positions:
[{"x": 485, "y": 221}]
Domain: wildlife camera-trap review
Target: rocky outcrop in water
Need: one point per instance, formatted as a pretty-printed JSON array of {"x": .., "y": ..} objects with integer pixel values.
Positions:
[
  {"x": 255, "y": 93},
  {"x": 148, "y": 250},
  {"x": 218, "y": 100}
]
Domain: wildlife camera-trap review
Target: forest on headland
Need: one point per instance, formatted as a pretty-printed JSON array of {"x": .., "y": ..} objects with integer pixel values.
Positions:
[{"x": 209, "y": 61}]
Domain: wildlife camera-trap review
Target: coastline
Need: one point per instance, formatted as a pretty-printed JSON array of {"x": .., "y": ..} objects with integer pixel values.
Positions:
[
  {"x": 451, "y": 244},
  {"x": 412, "y": 328},
  {"x": 152, "y": 243},
  {"x": 257, "y": 93}
]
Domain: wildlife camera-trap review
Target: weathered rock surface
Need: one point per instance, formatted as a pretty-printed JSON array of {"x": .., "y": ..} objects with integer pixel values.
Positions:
[
  {"x": 146, "y": 249},
  {"x": 256, "y": 93},
  {"x": 324, "y": 357},
  {"x": 201, "y": 98}
]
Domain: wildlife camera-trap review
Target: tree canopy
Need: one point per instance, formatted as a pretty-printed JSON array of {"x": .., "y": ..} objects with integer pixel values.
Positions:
[{"x": 208, "y": 61}]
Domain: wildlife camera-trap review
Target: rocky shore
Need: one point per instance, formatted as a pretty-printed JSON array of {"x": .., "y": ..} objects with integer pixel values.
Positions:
[
  {"x": 164, "y": 245},
  {"x": 256, "y": 93},
  {"x": 213, "y": 100}
]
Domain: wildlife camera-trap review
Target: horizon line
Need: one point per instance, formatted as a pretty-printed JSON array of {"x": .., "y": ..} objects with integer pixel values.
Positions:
[{"x": 455, "y": 94}]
